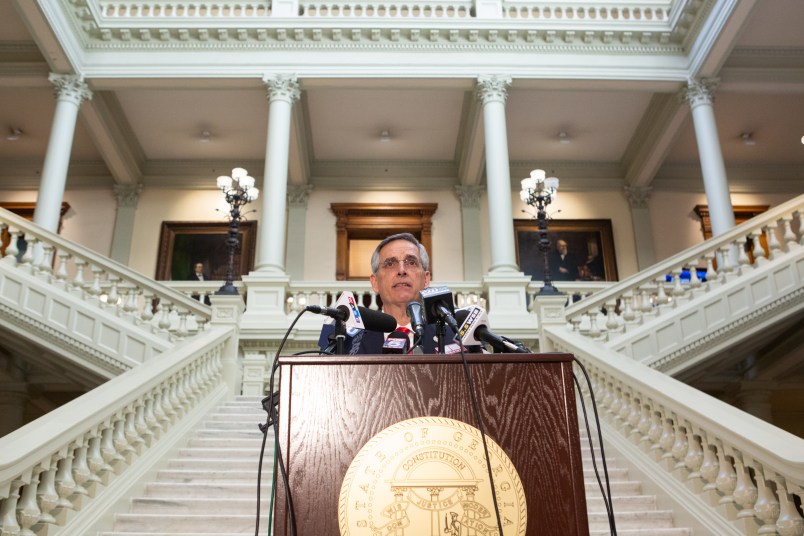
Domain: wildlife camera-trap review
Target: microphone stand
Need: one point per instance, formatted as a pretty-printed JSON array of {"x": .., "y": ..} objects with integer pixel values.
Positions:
[
  {"x": 337, "y": 338},
  {"x": 441, "y": 333}
]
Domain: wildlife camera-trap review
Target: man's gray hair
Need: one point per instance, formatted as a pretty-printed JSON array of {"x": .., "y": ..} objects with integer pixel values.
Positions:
[{"x": 375, "y": 257}]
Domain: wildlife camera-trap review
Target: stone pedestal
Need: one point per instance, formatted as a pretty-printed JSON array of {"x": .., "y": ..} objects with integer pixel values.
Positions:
[
  {"x": 550, "y": 312},
  {"x": 508, "y": 305},
  {"x": 267, "y": 293},
  {"x": 227, "y": 311}
]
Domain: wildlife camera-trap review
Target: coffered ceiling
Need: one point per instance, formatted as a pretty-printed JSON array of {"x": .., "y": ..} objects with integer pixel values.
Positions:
[{"x": 610, "y": 83}]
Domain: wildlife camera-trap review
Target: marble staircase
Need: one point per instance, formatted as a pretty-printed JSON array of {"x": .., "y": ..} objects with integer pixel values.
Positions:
[{"x": 210, "y": 487}]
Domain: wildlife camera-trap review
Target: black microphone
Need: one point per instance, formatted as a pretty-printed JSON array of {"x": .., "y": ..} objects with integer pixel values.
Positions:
[
  {"x": 371, "y": 319},
  {"x": 473, "y": 330},
  {"x": 397, "y": 342},
  {"x": 340, "y": 312},
  {"x": 439, "y": 305},
  {"x": 377, "y": 320},
  {"x": 417, "y": 321}
]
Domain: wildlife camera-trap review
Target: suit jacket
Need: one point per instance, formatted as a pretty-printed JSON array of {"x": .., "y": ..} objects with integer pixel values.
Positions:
[{"x": 364, "y": 341}]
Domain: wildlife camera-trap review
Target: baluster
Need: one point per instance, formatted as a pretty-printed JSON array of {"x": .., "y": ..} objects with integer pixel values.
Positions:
[
  {"x": 61, "y": 270},
  {"x": 788, "y": 236},
  {"x": 44, "y": 261},
  {"x": 726, "y": 479},
  {"x": 799, "y": 214},
  {"x": 611, "y": 316},
  {"x": 666, "y": 441},
  {"x": 141, "y": 425},
  {"x": 46, "y": 494},
  {"x": 767, "y": 507},
  {"x": 164, "y": 403},
  {"x": 121, "y": 445},
  {"x": 8, "y": 510},
  {"x": 644, "y": 426},
  {"x": 616, "y": 403},
  {"x": 65, "y": 485},
  {"x": 773, "y": 241},
  {"x": 594, "y": 331},
  {"x": 726, "y": 262},
  {"x": 693, "y": 459},
  {"x": 95, "y": 287},
  {"x": 745, "y": 493},
  {"x": 98, "y": 466},
  {"x": 175, "y": 403},
  {"x": 133, "y": 438},
  {"x": 12, "y": 251},
  {"x": 677, "y": 290},
  {"x": 81, "y": 473},
  {"x": 628, "y": 313},
  {"x": 151, "y": 419},
  {"x": 78, "y": 280},
  {"x": 711, "y": 273},
  {"x": 695, "y": 281},
  {"x": 373, "y": 301},
  {"x": 28, "y": 257},
  {"x": 164, "y": 316},
  {"x": 759, "y": 252},
  {"x": 182, "y": 331},
  {"x": 28, "y": 512},
  {"x": 113, "y": 297},
  {"x": 710, "y": 468},
  {"x": 633, "y": 418},
  {"x": 130, "y": 301},
  {"x": 147, "y": 307},
  {"x": 679, "y": 450},
  {"x": 108, "y": 450},
  {"x": 743, "y": 262},
  {"x": 655, "y": 434},
  {"x": 201, "y": 323},
  {"x": 790, "y": 522}
]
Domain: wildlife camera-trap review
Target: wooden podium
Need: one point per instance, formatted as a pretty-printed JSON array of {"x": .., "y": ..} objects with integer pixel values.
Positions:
[{"x": 330, "y": 407}]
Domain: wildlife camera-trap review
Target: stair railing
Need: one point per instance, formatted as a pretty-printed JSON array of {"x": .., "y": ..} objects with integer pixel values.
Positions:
[{"x": 65, "y": 470}]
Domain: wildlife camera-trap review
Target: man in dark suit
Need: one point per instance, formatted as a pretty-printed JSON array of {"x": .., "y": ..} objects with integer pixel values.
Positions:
[
  {"x": 198, "y": 275},
  {"x": 563, "y": 264},
  {"x": 400, "y": 269}
]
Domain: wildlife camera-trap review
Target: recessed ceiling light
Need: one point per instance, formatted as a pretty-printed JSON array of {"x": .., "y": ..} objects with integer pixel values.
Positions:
[
  {"x": 563, "y": 137},
  {"x": 14, "y": 134},
  {"x": 385, "y": 136},
  {"x": 748, "y": 138},
  {"x": 205, "y": 136}
]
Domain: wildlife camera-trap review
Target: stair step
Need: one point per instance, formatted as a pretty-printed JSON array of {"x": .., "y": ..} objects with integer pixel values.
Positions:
[
  {"x": 640, "y": 532},
  {"x": 182, "y": 523},
  {"x": 623, "y": 503},
  {"x": 218, "y": 452},
  {"x": 211, "y": 475},
  {"x": 198, "y": 505},
  {"x": 632, "y": 520},
  {"x": 242, "y": 464},
  {"x": 205, "y": 489}
]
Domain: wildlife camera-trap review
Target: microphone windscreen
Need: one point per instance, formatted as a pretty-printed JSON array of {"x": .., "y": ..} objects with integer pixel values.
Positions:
[
  {"x": 396, "y": 343},
  {"x": 460, "y": 315},
  {"x": 377, "y": 320}
]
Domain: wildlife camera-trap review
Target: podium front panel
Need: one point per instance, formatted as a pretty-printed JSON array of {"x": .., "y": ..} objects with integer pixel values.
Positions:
[{"x": 330, "y": 407}]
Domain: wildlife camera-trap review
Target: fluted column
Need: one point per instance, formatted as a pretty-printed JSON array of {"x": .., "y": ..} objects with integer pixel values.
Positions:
[
  {"x": 643, "y": 230},
  {"x": 470, "y": 226},
  {"x": 127, "y": 199},
  {"x": 282, "y": 93},
  {"x": 700, "y": 96},
  {"x": 492, "y": 92},
  {"x": 298, "y": 197},
  {"x": 71, "y": 91}
]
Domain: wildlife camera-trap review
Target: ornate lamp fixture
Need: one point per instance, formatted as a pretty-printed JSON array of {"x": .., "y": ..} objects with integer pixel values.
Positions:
[
  {"x": 538, "y": 191},
  {"x": 238, "y": 190}
]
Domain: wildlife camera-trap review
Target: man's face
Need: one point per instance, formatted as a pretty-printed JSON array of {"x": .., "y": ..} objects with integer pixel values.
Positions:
[
  {"x": 399, "y": 283},
  {"x": 562, "y": 247},
  {"x": 199, "y": 268}
]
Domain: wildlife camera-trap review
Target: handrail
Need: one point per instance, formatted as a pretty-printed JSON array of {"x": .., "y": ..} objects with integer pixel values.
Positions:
[
  {"x": 60, "y": 460},
  {"x": 112, "y": 283},
  {"x": 724, "y": 456}
]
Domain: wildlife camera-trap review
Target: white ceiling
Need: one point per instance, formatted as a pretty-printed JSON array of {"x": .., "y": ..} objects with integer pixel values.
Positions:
[{"x": 431, "y": 120}]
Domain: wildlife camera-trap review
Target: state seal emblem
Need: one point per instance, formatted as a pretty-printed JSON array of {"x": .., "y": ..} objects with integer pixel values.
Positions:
[{"x": 428, "y": 477}]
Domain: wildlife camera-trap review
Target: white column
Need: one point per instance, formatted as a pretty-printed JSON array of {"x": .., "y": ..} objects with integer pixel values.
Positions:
[
  {"x": 700, "y": 95},
  {"x": 127, "y": 198},
  {"x": 282, "y": 93},
  {"x": 505, "y": 286},
  {"x": 492, "y": 92},
  {"x": 640, "y": 221},
  {"x": 470, "y": 226},
  {"x": 298, "y": 196},
  {"x": 267, "y": 285},
  {"x": 70, "y": 92}
]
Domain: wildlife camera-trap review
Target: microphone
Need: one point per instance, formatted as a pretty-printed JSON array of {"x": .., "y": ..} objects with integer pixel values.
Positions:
[
  {"x": 397, "y": 342},
  {"x": 474, "y": 330},
  {"x": 417, "y": 320},
  {"x": 366, "y": 318},
  {"x": 439, "y": 305}
]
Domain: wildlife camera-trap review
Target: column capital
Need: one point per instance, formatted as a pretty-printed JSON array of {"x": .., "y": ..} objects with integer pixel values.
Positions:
[
  {"x": 70, "y": 87},
  {"x": 127, "y": 195},
  {"x": 469, "y": 195},
  {"x": 637, "y": 196},
  {"x": 492, "y": 88},
  {"x": 299, "y": 195},
  {"x": 282, "y": 87},
  {"x": 698, "y": 92}
]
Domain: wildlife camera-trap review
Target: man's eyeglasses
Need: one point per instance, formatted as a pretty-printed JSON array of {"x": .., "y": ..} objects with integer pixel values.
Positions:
[{"x": 409, "y": 263}]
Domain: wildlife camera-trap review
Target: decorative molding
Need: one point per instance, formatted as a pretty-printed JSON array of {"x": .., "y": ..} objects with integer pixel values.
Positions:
[
  {"x": 699, "y": 92},
  {"x": 71, "y": 88},
  {"x": 127, "y": 196},
  {"x": 469, "y": 195},
  {"x": 299, "y": 195},
  {"x": 282, "y": 87},
  {"x": 637, "y": 196},
  {"x": 493, "y": 88}
]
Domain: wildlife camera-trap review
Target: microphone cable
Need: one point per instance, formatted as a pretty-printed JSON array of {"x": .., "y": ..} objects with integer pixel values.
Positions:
[
  {"x": 607, "y": 500},
  {"x": 272, "y": 420},
  {"x": 470, "y": 383}
]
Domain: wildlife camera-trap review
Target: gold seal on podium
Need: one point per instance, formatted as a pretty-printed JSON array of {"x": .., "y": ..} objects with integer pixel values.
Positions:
[{"x": 428, "y": 477}]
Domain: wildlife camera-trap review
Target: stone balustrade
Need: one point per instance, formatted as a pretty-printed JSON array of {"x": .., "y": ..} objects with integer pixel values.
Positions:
[
  {"x": 687, "y": 279},
  {"x": 737, "y": 473},
  {"x": 98, "y": 281},
  {"x": 81, "y": 456}
]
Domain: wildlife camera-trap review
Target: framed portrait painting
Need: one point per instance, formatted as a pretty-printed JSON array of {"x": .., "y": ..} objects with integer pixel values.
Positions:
[
  {"x": 182, "y": 244},
  {"x": 580, "y": 250}
]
